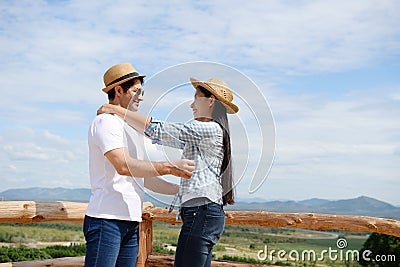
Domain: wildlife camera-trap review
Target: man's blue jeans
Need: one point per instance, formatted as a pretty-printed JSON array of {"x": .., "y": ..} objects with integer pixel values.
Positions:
[
  {"x": 110, "y": 242},
  {"x": 201, "y": 229}
]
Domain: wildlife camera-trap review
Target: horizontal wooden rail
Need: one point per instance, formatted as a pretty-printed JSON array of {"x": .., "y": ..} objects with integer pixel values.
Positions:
[
  {"x": 294, "y": 220},
  {"x": 30, "y": 211}
]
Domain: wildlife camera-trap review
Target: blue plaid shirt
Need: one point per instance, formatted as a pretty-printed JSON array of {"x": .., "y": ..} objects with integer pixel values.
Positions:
[{"x": 201, "y": 142}]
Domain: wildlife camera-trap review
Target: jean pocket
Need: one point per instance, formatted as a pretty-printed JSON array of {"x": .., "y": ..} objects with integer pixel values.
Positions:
[
  {"x": 189, "y": 211},
  {"x": 86, "y": 224},
  {"x": 91, "y": 227},
  {"x": 189, "y": 215}
]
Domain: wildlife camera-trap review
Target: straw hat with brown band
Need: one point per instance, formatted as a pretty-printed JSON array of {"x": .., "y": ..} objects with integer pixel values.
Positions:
[
  {"x": 220, "y": 90},
  {"x": 119, "y": 74}
]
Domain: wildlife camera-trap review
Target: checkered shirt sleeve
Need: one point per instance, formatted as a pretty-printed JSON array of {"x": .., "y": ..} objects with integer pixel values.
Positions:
[{"x": 175, "y": 134}]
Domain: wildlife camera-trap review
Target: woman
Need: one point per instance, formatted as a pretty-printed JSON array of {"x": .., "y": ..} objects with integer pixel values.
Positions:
[{"x": 205, "y": 140}]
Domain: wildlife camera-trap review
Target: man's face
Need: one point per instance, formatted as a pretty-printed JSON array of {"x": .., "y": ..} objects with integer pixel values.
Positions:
[{"x": 133, "y": 96}]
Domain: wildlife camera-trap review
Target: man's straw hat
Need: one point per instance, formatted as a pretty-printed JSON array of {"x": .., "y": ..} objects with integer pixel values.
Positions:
[
  {"x": 119, "y": 74},
  {"x": 220, "y": 90}
]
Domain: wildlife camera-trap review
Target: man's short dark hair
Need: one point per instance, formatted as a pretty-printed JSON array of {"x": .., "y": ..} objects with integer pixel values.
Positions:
[{"x": 125, "y": 87}]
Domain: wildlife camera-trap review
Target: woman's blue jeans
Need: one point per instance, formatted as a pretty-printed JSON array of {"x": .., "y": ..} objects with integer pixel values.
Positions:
[
  {"x": 201, "y": 229},
  {"x": 110, "y": 242}
]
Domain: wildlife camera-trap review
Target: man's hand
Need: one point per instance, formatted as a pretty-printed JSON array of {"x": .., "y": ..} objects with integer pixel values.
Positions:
[{"x": 182, "y": 168}]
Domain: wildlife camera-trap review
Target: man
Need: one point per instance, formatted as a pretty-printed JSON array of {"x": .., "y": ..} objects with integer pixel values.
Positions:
[{"x": 118, "y": 174}]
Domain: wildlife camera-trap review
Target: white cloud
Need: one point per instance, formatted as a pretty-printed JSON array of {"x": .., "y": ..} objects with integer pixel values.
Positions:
[
  {"x": 42, "y": 159},
  {"x": 12, "y": 167},
  {"x": 25, "y": 151},
  {"x": 328, "y": 143},
  {"x": 55, "y": 53},
  {"x": 54, "y": 138},
  {"x": 303, "y": 37}
]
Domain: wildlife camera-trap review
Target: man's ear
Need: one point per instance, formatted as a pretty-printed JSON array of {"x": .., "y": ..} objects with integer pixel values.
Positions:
[{"x": 118, "y": 90}]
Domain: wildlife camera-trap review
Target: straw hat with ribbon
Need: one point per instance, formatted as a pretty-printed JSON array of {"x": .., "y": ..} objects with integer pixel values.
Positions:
[
  {"x": 119, "y": 74},
  {"x": 220, "y": 90}
]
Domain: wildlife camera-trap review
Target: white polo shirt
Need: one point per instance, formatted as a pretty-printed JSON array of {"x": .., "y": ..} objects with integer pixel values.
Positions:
[{"x": 113, "y": 196}]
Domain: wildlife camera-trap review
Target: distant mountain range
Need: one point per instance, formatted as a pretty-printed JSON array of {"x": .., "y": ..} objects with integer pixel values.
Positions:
[
  {"x": 362, "y": 205},
  {"x": 46, "y": 194},
  {"x": 358, "y": 206}
]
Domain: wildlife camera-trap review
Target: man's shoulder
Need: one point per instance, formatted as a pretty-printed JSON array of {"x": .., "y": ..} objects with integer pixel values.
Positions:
[
  {"x": 107, "y": 118},
  {"x": 106, "y": 123}
]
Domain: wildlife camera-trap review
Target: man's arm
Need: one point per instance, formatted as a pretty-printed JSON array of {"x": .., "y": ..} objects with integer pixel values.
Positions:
[
  {"x": 126, "y": 165},
  {"x": 161, "y": 186}
]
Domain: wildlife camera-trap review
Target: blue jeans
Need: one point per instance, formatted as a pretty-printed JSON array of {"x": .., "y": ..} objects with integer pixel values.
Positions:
[
  {"x": 201, "y": 229},
  {"x": 110, "y": 242}
]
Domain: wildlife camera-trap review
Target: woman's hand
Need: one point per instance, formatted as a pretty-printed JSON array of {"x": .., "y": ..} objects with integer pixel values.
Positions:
[{"x": 111, "y": 109}]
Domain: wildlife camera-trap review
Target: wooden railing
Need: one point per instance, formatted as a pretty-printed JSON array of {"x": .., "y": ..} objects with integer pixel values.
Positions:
[{"x": 31, "y": 212}]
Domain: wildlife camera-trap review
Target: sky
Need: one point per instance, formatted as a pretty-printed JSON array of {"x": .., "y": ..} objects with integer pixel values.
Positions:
[{"x": 317, "y": 83}]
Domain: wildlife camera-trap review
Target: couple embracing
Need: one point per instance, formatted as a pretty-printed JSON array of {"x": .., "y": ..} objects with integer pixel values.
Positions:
[{"x": 118, "y": 173}]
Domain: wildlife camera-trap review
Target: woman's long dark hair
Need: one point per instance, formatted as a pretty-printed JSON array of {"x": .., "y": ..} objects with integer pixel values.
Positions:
[{"x": 219, "y": 115}]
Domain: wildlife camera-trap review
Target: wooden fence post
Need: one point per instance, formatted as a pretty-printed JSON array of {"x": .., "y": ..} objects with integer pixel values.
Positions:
[{"x": 145, "y": 242}]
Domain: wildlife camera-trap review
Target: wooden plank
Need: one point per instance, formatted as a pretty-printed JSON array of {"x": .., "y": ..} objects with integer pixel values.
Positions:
[
  {"x": 31, "y": 211},
  {"x": 294, "y": 220}
]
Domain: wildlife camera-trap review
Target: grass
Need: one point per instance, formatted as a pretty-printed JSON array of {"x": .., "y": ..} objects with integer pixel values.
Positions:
[
  {"x": 41, "y": 232},
  {"x": 22, "y": 253},
  {"x": 238, "y": 243},
  {"x": 242, "y": 243}
]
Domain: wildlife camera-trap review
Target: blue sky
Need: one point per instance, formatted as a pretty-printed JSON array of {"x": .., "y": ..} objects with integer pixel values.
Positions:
[{"x": 329, "y": 71}]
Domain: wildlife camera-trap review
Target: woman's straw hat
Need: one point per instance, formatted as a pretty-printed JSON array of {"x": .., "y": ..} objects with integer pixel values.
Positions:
[
  {"x": 220, "y": 90},
  {"x": 119, "y": 74}
]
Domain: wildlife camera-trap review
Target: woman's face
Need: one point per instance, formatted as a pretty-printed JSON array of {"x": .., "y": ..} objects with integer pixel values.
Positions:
[{"x": 202, "y": 106}]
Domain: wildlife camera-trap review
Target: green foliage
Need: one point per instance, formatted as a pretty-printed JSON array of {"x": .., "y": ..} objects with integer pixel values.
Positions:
[
  {"x": 63, "y": 251},
  {"x": 30, "y": 233},
  {"x": 378, "y": 245},
  {"x": 158, "y": 248},
  {"x": 218, "y": 247},
  {"x": 44, "y": 232},
  {"x": 259, "y": 235},
  {"x": 244, "y": 241},
  {"x": 166, "y": 233},
  {"x": 10, "y": 254}
]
